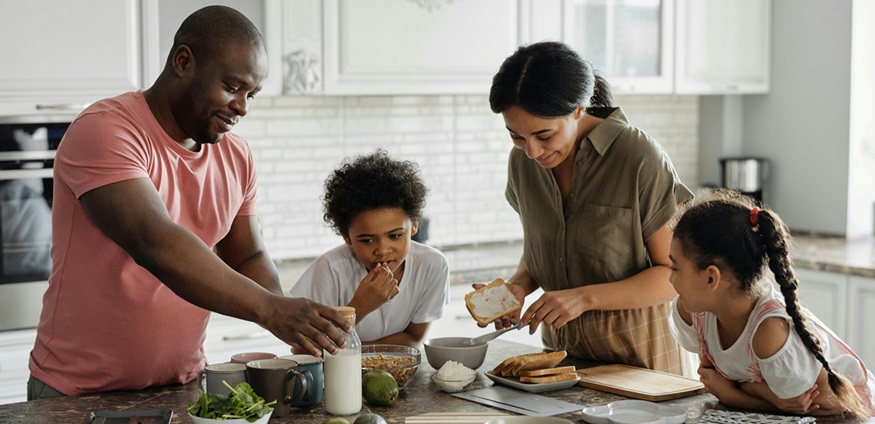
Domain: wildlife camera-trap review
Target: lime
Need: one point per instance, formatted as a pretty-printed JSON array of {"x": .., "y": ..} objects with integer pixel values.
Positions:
[{"x": 379, "y": 388}]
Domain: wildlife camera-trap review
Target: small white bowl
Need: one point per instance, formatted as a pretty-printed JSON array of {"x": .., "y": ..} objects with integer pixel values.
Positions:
[
  {"x": 199, "y": 420},
  {"x": 453, "y": 386}
]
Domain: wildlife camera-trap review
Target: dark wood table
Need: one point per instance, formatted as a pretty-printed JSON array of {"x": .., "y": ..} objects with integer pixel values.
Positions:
[{"x": 419, "y": 397}]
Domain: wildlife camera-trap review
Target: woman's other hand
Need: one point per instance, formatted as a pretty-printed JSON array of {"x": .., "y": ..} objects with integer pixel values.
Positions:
[{"x": 554, "y": 309}]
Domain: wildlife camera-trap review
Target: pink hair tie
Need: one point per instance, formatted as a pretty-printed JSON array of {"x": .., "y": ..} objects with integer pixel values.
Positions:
[{"x": 754, "y": 218}]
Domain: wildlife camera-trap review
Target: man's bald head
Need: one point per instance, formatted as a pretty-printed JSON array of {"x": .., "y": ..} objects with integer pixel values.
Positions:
[{"x": 210, "y": 31}]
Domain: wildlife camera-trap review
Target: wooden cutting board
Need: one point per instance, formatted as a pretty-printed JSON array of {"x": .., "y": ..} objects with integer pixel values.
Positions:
[{"x": 638, "y": 383}]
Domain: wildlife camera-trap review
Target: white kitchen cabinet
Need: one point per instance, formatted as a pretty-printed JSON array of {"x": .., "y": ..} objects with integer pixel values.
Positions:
[
  {"x": 630, "y": 43},
  {"x": 59, "y": 56},
  {"x": 825, "y": 294},
  {"x": 723, "y": 46},
  {"x": 861, "y": 310},
  {"x": 15, "y": 347},
  {"x": 385, "y": 47}
]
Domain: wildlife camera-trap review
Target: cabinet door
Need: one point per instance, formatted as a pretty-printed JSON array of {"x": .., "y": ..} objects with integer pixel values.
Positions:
[
  {"x": 414, "y": 46},
  {"x": 60, "y": 55},
  {"x": 15, "y": 347},
  {"x": 861, "y": 315},
  {"x": 630, "y": 43},
  {"x": 723, "y": 46},
  {"x": 825, "y": 294}
]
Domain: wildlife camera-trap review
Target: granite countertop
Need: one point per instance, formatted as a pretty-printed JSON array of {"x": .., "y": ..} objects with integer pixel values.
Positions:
[
  {"x": 419, "y": 397},
  {"x": 835, "y": 254}
]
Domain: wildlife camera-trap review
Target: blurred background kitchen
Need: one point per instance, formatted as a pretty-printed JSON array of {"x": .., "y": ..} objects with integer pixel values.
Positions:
[{"x": 772, "y": 97}]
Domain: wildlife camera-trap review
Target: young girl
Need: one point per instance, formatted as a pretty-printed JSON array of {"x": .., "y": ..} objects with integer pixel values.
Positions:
[
  {"x": 397, "y": 286},
  {"x": 760, "y": 348}
]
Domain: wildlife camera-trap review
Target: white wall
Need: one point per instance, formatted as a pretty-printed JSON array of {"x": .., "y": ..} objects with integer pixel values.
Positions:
[
  {"x": 802, "y": 124},
  {"x": 460, "y": 145},
  {"x": 861, "y": 178}
]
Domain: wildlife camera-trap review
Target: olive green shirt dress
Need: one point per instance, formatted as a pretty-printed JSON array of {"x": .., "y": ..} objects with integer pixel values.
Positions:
[{"x": 624, "y": 188}]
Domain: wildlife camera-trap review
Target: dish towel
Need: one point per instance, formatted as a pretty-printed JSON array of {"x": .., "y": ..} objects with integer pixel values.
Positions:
[{"x": 713, "y": 416}]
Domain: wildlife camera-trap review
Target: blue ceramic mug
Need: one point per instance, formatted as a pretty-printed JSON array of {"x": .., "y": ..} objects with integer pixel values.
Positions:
[{"x": 311, "y": 367}]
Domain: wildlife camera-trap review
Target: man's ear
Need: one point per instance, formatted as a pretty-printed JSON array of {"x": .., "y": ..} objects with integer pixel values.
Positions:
[
  {"x": 415, "y": 228},
  {"x": 578, "y": 113},
  {"x": 347, "y": 240},
  {"x": 183, "y": 60}
]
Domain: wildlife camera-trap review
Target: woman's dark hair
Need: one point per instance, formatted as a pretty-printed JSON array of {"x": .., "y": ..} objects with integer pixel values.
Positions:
[
  {"x": 719, "y": 230},
  {"x": 547, "y": 79},
  {"x": 370, "y": 182}
]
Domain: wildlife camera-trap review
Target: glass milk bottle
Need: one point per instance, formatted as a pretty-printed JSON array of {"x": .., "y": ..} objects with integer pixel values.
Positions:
[{"x": 343, "y": 372}]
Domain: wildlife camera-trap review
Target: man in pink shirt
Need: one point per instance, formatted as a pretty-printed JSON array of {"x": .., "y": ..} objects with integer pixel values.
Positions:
[{"x": 154, "y": 226}]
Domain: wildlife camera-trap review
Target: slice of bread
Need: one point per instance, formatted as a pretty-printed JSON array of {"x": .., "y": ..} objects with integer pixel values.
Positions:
[
  {"x": 536, "y": 362},
  {"x": 547, "y": 371},
  {"x": 491, "y": 302},
  {"x": 515, "y": 365},
  {"x": 549, "y": 378}
]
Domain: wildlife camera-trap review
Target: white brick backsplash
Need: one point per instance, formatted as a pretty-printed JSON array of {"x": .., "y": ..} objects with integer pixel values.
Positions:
[{"x": 459, "y": 144}]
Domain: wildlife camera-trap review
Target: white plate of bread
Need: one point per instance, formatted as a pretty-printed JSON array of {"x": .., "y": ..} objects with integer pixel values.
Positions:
[{"x": 535, "y": 372}]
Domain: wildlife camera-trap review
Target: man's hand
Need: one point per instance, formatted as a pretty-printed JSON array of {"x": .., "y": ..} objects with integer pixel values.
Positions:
[
  {"x": 377, "y": 288},
  {"x": 309, "y": 327}
]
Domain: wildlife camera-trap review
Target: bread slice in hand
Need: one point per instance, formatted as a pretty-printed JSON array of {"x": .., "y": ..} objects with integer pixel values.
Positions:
[
  {"x": 549, "y": 378},
  {"x": 491, "y": 302}
]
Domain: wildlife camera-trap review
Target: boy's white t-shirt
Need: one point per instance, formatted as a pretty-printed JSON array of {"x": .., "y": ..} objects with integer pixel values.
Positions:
[
  {"x": 424, "y": 289},
  {"x": 792, "y": 370}
]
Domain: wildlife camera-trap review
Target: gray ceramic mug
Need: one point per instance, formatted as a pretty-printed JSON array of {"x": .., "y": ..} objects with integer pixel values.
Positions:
[
  {"x": 311, "y": 367},
  {"x": 210, "y": 378},
  {"x": 274, "y": 380}
]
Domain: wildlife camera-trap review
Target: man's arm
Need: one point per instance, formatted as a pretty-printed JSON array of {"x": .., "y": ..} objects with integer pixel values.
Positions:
[
  {"x": 132, "y": 214},
  {"x": 244, "y": 251}
]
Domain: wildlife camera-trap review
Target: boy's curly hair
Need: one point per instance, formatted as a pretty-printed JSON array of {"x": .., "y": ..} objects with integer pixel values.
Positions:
[{"x": 370, "y": 182}]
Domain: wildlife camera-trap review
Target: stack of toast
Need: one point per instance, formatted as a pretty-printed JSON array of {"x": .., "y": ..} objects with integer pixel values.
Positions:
[{"x": 536, "y": 368}]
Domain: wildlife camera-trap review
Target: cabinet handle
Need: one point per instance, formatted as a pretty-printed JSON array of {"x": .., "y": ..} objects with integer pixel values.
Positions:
[
  {"x": 247, "y": 336},
  {"x": 64, "y": 106}
]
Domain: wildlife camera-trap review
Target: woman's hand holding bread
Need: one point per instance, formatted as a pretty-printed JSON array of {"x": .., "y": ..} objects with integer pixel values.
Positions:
[{"x": 496, "y": 302}]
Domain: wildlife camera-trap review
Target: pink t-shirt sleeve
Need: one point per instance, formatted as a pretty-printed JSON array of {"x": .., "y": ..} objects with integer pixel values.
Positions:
[{"x": 85, "y": 160}]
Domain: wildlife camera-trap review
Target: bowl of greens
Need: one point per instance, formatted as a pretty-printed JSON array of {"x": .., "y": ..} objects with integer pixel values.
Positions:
[{"x": 241, "y": 406}]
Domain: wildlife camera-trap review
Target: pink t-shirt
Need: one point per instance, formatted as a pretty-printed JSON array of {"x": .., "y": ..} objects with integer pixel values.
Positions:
[{"x": 107, "y": 323}]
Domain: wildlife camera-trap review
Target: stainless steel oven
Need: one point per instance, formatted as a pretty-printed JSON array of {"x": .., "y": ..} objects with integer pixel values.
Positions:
[{"x": 27, "y": 153}]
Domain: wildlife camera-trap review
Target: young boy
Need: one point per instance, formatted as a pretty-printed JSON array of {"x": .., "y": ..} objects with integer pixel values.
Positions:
[{"x": 397, "y": 286}]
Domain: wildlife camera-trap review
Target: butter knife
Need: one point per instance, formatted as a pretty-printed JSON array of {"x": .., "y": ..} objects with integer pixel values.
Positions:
[{"x": 489, "y": 336}]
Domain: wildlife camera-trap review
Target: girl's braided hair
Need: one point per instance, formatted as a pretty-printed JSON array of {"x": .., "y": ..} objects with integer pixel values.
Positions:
[{"x": 725, "y": 230}]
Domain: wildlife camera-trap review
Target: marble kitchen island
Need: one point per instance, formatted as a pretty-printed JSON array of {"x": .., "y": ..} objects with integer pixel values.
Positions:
[{"x": 419, "y": 397}]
